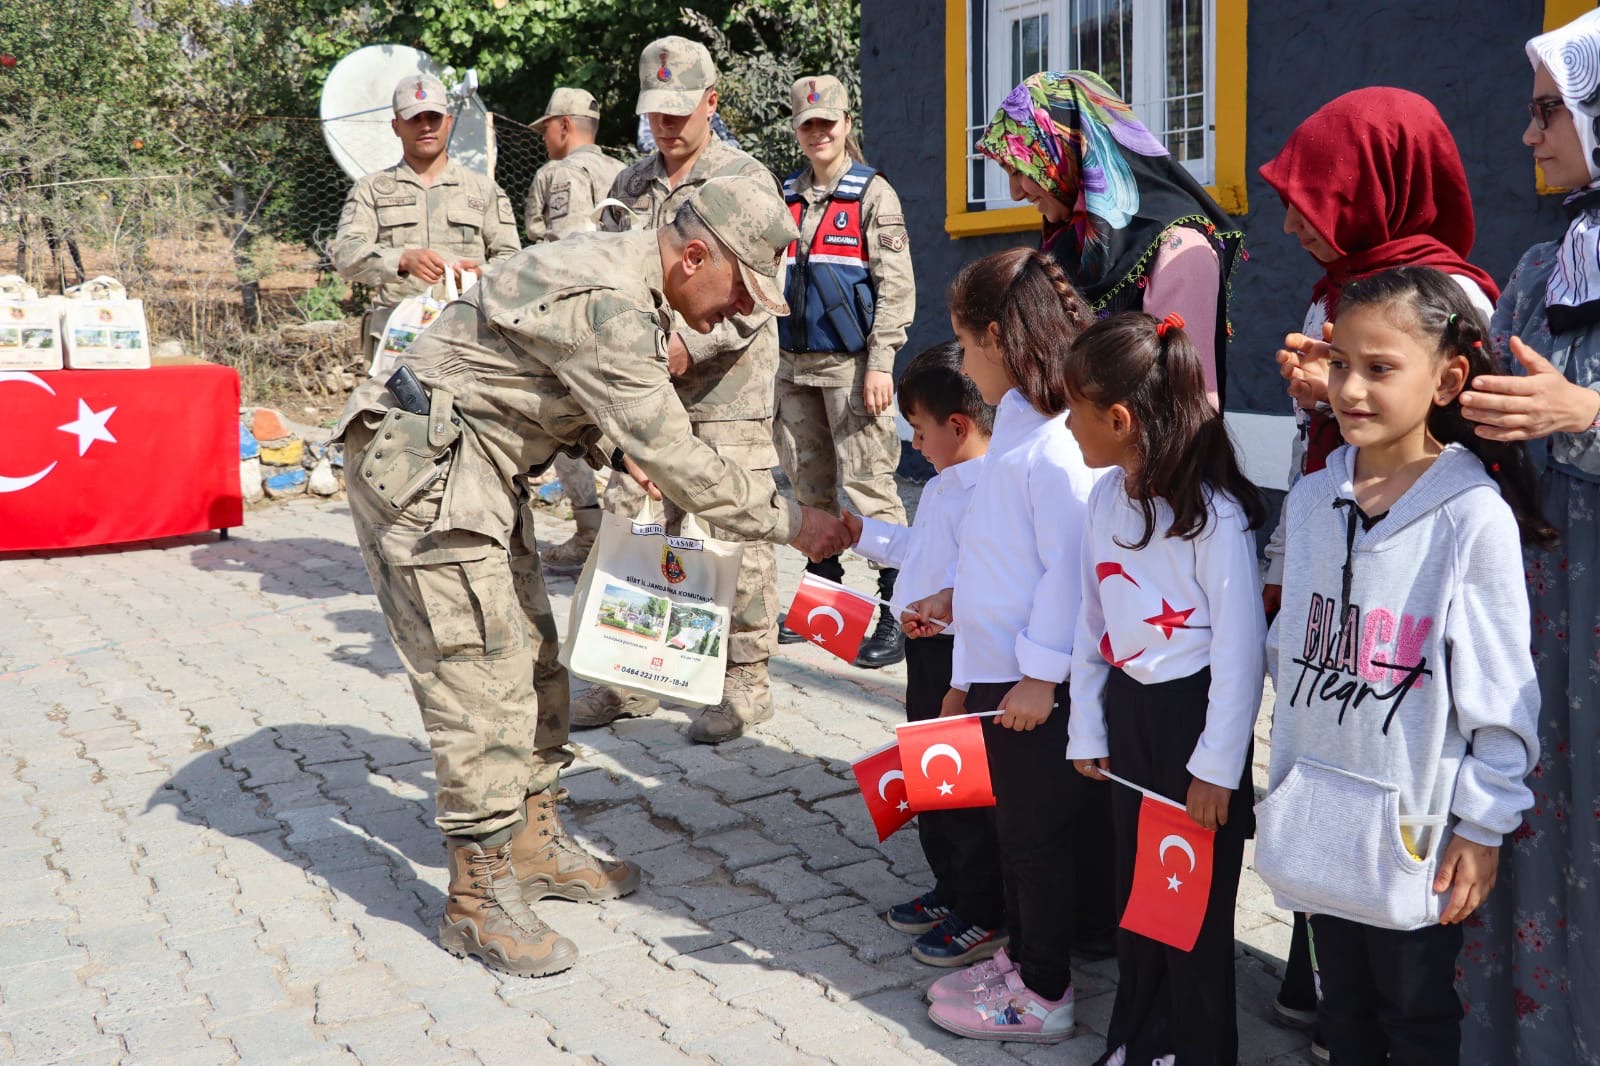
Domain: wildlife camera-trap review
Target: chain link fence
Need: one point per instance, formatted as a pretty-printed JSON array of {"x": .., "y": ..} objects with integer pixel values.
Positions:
[{"x": 221, "y": 224}]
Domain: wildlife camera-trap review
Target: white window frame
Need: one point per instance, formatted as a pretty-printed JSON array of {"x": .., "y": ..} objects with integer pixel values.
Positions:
[{"x": 1147, "y": 95}]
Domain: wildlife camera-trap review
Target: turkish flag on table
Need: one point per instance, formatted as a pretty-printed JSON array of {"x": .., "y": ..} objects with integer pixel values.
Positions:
[
  {"x": 946, "y": 763},
  {"x": 831, "y": 616},
  {"x": 1171, "y": 877},
  {"x": 883, "y": 786},
  {"x": 107, "y": 456}
]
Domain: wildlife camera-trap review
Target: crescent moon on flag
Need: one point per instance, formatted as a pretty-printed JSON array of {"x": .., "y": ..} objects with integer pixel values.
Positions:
[
  {"x": 826, "y": 612},
  {"x": 883, "y": 783},
  {"x": 937, "y": 750},
  {"x": 1173, "y": 840},
  {"x": 17, "y": 484}
]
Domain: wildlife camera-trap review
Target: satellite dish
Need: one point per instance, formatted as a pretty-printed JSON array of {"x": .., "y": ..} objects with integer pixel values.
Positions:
[{"x": 358, "y": 104}]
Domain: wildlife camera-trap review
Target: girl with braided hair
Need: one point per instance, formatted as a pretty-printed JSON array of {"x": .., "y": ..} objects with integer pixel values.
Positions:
[
  {"x": 1167, "y": 660},
  {"x": 1015, "y": 600},
  {"x": 1407, "y": 704}
]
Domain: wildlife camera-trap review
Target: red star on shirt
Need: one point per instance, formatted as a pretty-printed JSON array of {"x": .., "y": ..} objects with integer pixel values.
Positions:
[{"x": 1170, "y": 618}]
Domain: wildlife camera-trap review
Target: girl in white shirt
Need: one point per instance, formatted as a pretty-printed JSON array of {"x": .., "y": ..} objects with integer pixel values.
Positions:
[
  {"x": 1015, "y": 600},
  {"x": 1170, "y": 587}
]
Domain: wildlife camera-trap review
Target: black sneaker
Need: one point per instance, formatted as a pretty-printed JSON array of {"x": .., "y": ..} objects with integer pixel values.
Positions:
[
  {"x": 917, "y": 915},
  {"x": 955, "y": 943}
]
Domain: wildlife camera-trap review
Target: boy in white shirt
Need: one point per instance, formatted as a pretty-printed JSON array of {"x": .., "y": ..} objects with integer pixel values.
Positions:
[{"x": 961, "y": 921}]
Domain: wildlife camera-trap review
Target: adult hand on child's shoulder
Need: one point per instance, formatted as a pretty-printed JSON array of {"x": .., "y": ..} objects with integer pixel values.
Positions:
[
  {"x": 1028, "y": 705},
  {"x": 1467, "y": 871},
  {"x": 954, "y": 703},
  {"x": 1208, "y": 804}
]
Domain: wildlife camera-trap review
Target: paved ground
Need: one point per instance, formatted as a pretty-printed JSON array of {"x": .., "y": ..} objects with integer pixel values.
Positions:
[{"x": 215, "y": 821}]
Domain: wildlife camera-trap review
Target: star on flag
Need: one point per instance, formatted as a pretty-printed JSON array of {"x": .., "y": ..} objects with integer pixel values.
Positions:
[
  {"x": 1170, "y": 618},
  {"x": 90, "y": 426}
]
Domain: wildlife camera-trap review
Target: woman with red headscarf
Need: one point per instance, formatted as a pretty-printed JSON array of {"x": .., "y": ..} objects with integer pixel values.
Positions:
[{"x": 1371, "y": 180}]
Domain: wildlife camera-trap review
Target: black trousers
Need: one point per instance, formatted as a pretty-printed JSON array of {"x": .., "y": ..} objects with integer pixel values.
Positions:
[
  {"x": 961, "y": 846},
  {"x": 1055, "y": 842},
  {"x": 1170, "y": 1001},
  {"x": 1388, "y": 995}
]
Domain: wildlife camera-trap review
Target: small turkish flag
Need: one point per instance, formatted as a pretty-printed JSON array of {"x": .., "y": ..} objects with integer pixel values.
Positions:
[
  {"x": 946, "y": 763},
  {"x": 883, "y": 786},
  {"x": 1171, "y": 877},
  {"x": 831, "y": 616}
]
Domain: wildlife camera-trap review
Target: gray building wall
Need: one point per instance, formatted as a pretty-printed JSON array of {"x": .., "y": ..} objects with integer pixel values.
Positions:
[{"x": 1466, "y": 56}]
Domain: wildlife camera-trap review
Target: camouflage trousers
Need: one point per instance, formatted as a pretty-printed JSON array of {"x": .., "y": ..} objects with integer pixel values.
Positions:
[
  {"x": 827, "y": 442},
  {"x": 577, "y": 481},
  {"x": 753, "y": 625},
  {"x": 472, "y": 624}
]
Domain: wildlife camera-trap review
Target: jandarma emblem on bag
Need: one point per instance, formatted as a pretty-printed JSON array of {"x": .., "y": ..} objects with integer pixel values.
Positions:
[{"x": 671, "y": 566}]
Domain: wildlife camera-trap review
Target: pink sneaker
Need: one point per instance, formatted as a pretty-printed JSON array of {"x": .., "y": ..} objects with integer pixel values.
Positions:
[
  {"x": 963, "y": 983},
  {"x": 1008, "y": 1012}
]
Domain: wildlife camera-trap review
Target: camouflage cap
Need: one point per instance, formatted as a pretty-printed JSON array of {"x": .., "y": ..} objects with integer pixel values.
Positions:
[
  {"x": 417, "y": 93},
  {"x": 674, "y": 74},
  {"x": 565, "y": 102},
  {"x": 750, "y": 218},
  {"x": 822, "y": 96}
]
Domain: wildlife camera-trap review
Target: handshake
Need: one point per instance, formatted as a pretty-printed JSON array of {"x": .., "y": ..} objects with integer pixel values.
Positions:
[{"x": 822, "y": 535}]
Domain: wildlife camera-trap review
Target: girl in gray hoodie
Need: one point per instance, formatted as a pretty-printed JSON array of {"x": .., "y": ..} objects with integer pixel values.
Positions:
[{"x": 1406, "y": 699}]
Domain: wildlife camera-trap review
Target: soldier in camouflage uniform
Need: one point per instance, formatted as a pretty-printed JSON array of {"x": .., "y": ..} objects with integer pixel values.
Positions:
[
  {"x": 852, "y": 296},
  {"x": 725, "y": 377},
  {"x": 402, "y": 227},
  {"x": 556, "y": 349},
  {"x": 561, "y": 201}
]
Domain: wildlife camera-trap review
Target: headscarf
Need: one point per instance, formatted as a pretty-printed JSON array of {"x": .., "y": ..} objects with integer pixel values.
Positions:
[
  {"x": 1572, "y": 56},
  {"x": 1378, "y": 176},
  {"x": 1073, "y": 135}
]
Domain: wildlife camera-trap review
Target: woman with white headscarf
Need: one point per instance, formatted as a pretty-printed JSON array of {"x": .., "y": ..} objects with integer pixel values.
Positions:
[{"x": 1532, "y": 966}]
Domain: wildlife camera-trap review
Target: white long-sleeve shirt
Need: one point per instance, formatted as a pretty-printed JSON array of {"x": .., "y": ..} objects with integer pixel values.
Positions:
[
  {"x": 1017, "y": 571},
  {"x": 1165, "y": 612},
  {"x": 924, "y": 553}
]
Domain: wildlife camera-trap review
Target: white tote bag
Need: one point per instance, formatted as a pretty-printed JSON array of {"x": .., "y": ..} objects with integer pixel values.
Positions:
[
  {"x": 651, "y": 611},
  {"x": 409, "y": 318},
  {"x": 30, "y": 327},
  {"x": 102, "y": 328}
]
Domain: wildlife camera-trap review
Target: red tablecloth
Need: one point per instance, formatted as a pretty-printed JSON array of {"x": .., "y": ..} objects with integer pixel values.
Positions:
[{"x": 108, "y": 456}]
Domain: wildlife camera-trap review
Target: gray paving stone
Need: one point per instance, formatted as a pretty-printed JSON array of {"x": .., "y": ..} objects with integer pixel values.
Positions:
[
  {"x": 787, "y": 881},
  {"x": 771, "y": 931},
  {"x": 740, "y": 848}
]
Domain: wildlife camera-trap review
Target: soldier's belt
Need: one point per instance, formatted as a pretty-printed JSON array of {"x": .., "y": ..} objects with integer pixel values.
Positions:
[{"x": 409, "y": 452}]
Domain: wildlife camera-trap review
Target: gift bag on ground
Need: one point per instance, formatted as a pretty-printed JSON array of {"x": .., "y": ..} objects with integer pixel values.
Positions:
[
  {"x": 30, "y": 327},
  {"x": 409, "y": 318},
  {"x": 650, "y": 611}
]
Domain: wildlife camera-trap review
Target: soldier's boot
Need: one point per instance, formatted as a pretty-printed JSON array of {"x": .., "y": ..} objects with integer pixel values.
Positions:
[
  {"x": 569, "y": 556},
  {"x": 602, "y": 705},
  {"x": 746, "y": 702},
  {"x": 487, "y": 918},
  {"x": 887, "y": 645},
  {"x": 549, "y": 863},
  {"x": 832, "y": 569}
]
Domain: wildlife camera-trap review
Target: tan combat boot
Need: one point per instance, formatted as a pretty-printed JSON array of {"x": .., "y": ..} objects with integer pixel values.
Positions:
[
  {"x": 569, "y": 556},
  {"x": 602, "y": 705},
  {"x": 746, "y": 701},
  {"x": 549, "y": 863},
  {"x": 486, "y": 917}
]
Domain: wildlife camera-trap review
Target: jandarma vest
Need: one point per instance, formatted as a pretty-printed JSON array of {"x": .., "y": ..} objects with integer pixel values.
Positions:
[{"x": 829, "y": 288}]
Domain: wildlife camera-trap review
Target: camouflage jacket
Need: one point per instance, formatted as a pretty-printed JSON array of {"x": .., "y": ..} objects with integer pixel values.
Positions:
[
  {"x": 565, "y": 346},
  {"x": 564, "y": 193},
  {"x": 735, "y": 367},
  {"x": 463, "y": 215}
]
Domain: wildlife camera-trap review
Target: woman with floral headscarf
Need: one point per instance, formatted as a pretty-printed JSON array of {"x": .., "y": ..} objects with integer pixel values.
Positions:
[
  {"x": 1129, "y": 225},
  {"x": 1531, "y": 962}
]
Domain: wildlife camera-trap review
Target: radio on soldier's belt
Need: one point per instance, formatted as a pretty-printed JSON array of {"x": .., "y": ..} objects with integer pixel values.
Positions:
[{"x": 408, "y": 391}]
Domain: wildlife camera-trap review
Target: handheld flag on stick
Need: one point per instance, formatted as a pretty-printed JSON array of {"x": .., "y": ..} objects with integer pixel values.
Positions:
[
  {"x": 832, "y": 616},
  {"x": 883, "y": 787},
  {"x": 1171, "y": 875},
  {"x": 946, "y": 763}
]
